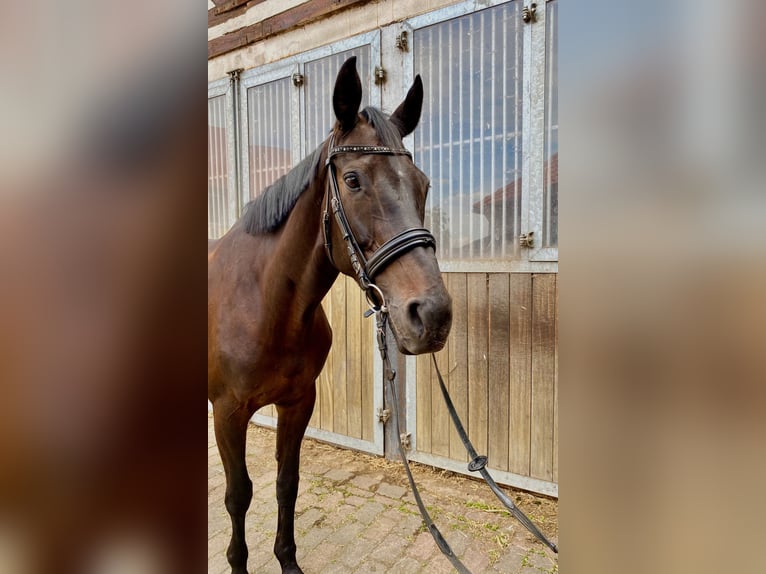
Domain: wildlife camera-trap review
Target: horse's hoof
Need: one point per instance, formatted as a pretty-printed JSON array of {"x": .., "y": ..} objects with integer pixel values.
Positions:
[
  {"x": 292, "y": 569},
  {"x": 239, "y": 571}
]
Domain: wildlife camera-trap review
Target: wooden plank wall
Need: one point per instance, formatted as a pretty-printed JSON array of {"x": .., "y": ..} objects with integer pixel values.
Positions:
[
  {"x": 344, "y": 402},
  {"x": 500, "y": 367}
]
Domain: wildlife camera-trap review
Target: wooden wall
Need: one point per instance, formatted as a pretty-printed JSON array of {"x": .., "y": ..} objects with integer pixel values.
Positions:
[
  {"x": 344, "y": 402},
  {"x": 500, "y": 365}
]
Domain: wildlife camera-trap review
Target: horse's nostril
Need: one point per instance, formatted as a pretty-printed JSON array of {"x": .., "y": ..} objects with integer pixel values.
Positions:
[{"x": 413, "y": 314}]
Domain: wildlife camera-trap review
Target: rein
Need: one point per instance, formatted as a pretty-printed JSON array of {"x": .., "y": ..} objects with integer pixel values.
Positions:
[
  {"x": 478, "y": 463},
  {"x": 366, "y": 270}
]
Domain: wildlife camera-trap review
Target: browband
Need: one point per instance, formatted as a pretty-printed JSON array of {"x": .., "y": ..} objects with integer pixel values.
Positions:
[{"x": 365, "y": 149}]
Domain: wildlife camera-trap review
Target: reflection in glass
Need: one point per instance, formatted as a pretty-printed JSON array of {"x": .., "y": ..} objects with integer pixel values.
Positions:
[
  {"x": 551, "y": 181},
  {"x": 469, "y": 138},
  {"x": 319, "y": 80},
  {"x": 269, "y": 133},
  {"x": 217, "y": 168}
]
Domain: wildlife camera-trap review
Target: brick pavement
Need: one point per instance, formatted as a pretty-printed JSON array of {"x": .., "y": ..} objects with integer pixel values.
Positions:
[{"x": 355, "y": 514}]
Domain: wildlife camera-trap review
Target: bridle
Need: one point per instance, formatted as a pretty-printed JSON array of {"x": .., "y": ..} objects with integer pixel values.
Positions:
[{"x": 367, "y": 269}]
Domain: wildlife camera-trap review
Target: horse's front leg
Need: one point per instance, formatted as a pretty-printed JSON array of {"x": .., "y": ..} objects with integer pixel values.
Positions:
[
  {"x": 231, "y": 433},
  {"x": 291, "y": 425}
]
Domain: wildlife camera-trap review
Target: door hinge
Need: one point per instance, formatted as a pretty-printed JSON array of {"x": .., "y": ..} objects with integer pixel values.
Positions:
[
  {"x": 527, "y": 239},
  {"x": 384, "y": 415},
  {"x": 404, "y": 438},
  {"x": 401, "y": 40},
  {"x": 529, "y": 13},
  {"x": 380, "y": 75}
]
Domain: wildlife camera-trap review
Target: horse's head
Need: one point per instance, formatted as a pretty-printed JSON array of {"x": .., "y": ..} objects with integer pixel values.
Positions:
[{"x": 382, "y": 195}]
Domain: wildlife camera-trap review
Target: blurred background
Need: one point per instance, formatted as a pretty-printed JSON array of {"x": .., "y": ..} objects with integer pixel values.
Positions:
[
  {"x": 662, "y": 282},
  {"x": 102, "y": 289},
  {"x": 662, "y": 278}
]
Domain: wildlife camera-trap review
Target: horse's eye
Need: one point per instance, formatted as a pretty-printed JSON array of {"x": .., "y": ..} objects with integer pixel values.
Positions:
[{"x": 352, "y": 181}]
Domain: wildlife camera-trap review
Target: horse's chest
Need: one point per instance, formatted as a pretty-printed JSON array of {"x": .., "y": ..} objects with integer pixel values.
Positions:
[{"x": 280, "y": 352}]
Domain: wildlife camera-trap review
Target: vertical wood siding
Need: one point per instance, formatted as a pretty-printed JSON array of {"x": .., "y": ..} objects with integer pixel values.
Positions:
[{"x": 500, "y": 368}]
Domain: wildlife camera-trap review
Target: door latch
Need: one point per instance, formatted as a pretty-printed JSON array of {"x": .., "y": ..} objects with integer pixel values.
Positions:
[{"x": 384, "y": 415}]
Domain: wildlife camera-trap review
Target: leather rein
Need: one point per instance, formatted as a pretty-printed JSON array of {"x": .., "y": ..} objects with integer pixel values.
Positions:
[{"x": 366, "y": 270}]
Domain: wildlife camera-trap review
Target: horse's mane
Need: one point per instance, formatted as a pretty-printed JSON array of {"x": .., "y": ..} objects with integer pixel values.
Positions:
[
  {"x": 265, "y": 213},
  {"x": 268, "y": 211}
]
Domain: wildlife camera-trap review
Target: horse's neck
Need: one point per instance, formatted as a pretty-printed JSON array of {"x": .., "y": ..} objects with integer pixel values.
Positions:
[{"x": 299, "y": 261}]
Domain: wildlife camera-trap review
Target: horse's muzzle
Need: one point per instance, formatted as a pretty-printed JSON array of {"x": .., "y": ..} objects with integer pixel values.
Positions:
[{"x": 422, "y": 323}]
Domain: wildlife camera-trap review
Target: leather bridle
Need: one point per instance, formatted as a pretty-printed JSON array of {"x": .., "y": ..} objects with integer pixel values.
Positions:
[{"x": 367, "y": 269}]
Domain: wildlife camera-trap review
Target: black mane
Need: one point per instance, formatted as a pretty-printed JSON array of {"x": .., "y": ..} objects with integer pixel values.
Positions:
[{"x": 268, "y": 211}]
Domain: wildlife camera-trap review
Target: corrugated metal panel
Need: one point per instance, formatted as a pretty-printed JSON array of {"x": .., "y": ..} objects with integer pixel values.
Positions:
[
  {"x": 218, "y": 185},
  {"x": 320, "y": 77},
  {"x": 551, "y": 191},
  {"x": 269, "y": 133},
  {"x": 469, "y": 140}
]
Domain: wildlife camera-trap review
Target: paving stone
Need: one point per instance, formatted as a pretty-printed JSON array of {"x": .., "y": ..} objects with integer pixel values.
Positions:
[
  {"x": 391, "y": 490},
  {"x": 369, "y": 512},
  {"x": 372, "y": 566},
  {"x": 338, "y": 475},
  {"x": 438, "y": 565},
  {"x": 218, "y": 565},
  {"x": 355, "y": 516},
  {"x": 355, "y": 551},
  {"x": 422, "y": 547},
  {"x": 390, "y": 549},
  {"x": 362, "y": 493},
  {"x": 345, "y": 534},
  {"x": 308, "y": 518},
  {"x": 406, "y": 565},
  {"x": 366, "y": 482},
  {"x": 355, "y": 500},
  {"x": 475, "y": 561}
]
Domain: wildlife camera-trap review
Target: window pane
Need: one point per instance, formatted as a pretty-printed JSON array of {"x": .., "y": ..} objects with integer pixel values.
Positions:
[
  {"x": 217, "y": 168},
  {"x": 319, "y": 82},
  {"x": 269, "y": 133},
  {"x": 469, "y": 139},
  {"x": 551, "y": 205}
]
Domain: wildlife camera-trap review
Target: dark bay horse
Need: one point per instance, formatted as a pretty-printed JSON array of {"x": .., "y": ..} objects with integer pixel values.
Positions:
[{"x": 268, "y": 336}]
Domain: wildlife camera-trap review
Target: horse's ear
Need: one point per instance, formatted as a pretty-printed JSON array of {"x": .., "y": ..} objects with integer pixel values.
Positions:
[
  {"x": 347, "y": 94},
  {"x": 407, "y": 115}
]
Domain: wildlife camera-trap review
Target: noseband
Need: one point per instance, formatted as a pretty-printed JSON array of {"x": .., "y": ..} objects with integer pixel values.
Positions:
[{"x": 396, "y": 246}]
